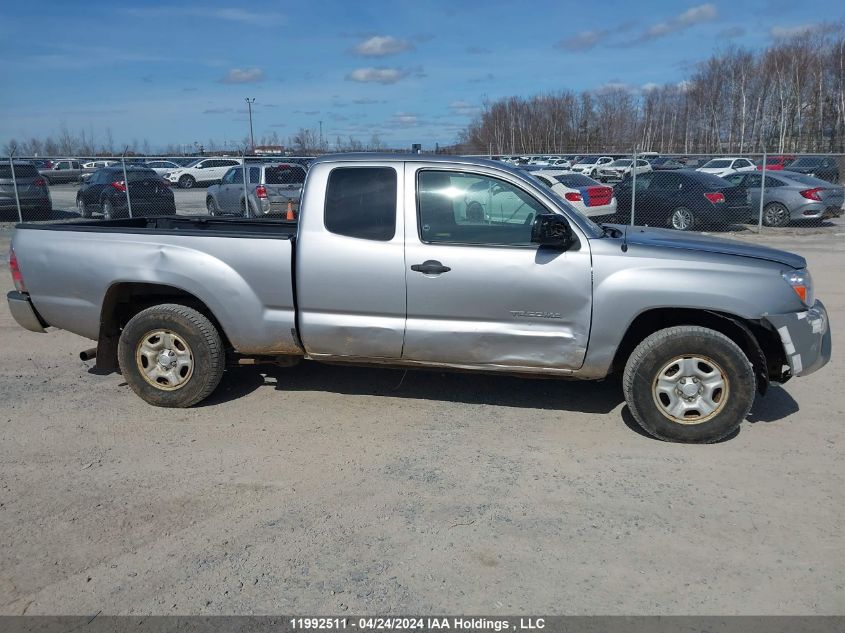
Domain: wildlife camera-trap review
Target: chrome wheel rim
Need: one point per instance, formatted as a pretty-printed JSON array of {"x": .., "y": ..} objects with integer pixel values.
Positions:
[
  {"x": 681, "y": 219},
  {"x": 690, "y": 389},
  {"x": 775, "y": 214},
  {"x": 80, "y": 206},
  {"x": 164, "y": 360}
]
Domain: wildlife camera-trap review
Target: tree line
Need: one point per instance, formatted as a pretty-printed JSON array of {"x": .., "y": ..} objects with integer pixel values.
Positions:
[{"x": 789, "y": 97}]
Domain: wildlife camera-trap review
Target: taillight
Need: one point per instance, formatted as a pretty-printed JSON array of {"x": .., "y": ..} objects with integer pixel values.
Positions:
[
  {"x": 39, "y": 182},
  {"x": 119, "y": 185},
  {"x": 715, "y": 196},
  {"x": 572, "y": 196},
  {"x": 812, "y": 194},
  {"x": 17, "y": 277},
  {"x": 261, "y": 191}
]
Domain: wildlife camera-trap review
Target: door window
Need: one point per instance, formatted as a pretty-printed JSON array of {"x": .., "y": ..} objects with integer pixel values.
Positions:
[
  {"x": 466, "y": 208},
  {"x": 229, "y": 177},
  {"x": 361, "y": 202}
]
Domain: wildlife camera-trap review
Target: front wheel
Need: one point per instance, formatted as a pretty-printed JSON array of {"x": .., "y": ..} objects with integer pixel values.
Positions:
[
  {"x": 689, "y": 384},
  {"x": 171, "y": 355},
  {"x": 187, "y": 182}
]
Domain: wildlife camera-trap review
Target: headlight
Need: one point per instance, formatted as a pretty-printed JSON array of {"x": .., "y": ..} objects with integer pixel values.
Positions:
[{"x": 802, "y": 284}]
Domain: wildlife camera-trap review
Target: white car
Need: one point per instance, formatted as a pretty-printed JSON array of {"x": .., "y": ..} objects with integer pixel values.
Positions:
[
  {"x": 589, "y": 165},
  {"x": 727, "y": 166},
  {"x": 582, "y": 192},
  {"x": 201, "y": 171},
  {"x": 162, "y": 167},
  {"x": 621, "y": 167},
  {"x": 96, "y": 164}
]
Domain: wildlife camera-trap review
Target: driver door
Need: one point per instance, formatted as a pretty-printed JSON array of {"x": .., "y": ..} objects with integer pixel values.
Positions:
[{"x": 479, "y": 292}]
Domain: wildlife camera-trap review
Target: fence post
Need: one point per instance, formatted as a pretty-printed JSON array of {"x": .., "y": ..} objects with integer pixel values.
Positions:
[
  {"x": 762, "y": 193},
  {"x": 633, "y": 185},
  {"x": 15, "y": 182},
  {"x": 126, "y": 181},
  {"x": 246, "y": 193}
]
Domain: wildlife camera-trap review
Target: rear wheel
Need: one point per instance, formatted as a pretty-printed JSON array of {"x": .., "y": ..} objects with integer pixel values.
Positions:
[
  {"x": 689, "y": 384},
  {"x": 171, "y": 355},
  {"x": 108, "y": 210},
  {"x": 682, "y": 219},
  {"x": 83, "y": 209},
  {"x": 775, "y": 214}
]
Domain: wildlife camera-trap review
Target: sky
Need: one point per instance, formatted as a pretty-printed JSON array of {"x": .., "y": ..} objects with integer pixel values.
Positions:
[{"x": 173, "y": 72}]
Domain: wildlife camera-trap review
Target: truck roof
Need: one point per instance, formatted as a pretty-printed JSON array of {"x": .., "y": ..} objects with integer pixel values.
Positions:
[{"x": 418, "y": 158}]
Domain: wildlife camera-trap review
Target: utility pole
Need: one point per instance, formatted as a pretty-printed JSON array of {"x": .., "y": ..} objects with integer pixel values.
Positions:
[
  {"x": 249, "y": 103},
  {"x": 321, "y": 136}
]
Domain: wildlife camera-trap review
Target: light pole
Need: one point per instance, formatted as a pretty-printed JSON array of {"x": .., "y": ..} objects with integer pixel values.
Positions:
[{"x": 249, "y": 103}]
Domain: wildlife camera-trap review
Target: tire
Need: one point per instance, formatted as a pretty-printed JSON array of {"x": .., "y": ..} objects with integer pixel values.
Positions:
[
  {"x": 108, "y": 210},
  {"x": 171, "y": 355},
  {"x": 682, "y": 219},
  {"x": 211, "y": 206},
  {"x": 84, "y": 211},
  {"x": 187, "y": 182},
  {"x": 475, "y": 212},
  {"x": 678, "y": 358},
  {"x": 775, "y": 214}
]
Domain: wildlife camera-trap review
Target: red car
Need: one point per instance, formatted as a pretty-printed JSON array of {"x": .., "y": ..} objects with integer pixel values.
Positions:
[{"x": 775, "y": 163}]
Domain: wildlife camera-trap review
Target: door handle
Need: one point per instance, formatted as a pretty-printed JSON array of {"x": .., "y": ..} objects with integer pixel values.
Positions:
[{"x": 430, "y": 267}]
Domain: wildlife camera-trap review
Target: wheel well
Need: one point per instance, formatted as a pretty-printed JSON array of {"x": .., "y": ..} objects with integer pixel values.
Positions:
[
  {"x": 760, "y": 343},
  {"x": 124, "y": 300}
]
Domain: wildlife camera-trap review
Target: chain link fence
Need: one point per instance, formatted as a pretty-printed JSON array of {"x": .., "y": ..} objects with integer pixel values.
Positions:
[{"x": 714, "y": 193}]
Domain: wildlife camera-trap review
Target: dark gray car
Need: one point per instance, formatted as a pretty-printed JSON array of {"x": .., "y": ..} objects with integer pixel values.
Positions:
[
  {"x": 65, "y": 170},
  {"x": 272, "y": 189},
  {"x": 790, "y": 196},
  {"x": 32, "y": 190}
]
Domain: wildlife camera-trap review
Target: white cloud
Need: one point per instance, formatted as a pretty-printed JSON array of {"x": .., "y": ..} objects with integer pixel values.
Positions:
[
  {"x": 253, "y": 18},
  {"x": 243, "y": 76},
  {"x": 381, "y": 46},
  {"x": 690, "y": 17},
  {"x": 403, "y": 119},
  {"x": 585, "y": 40},
  {"x": 377, "y": 75},
  {"x": 464, "y": 108},
  {"x": 648, "y": 87},
  {"x": 780, "y": 32}
]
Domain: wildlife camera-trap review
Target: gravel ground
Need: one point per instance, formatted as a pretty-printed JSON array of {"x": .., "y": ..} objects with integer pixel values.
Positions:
[{"x": 326, "y": 489}]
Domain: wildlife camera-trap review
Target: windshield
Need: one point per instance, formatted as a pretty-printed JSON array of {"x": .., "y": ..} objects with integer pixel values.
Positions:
[
  {"x": 575, "y": 180},
  {"x": 807, "y": 180},
  {"x": 806, "y": 161},
  {"x": 589, "y": 160},
  {"x": 284, "y": 175},
  {"x": 593, "y": 228},
  {"x": 717, "y": 164}
]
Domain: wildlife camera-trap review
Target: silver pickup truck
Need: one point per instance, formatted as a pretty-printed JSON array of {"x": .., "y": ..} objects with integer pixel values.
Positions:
[{"x": 386, "y": 267}]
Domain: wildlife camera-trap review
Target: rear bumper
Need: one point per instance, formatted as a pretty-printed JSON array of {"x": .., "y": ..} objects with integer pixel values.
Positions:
[
  {"x": 815, "y": 211},
  {"x": 24, "y": 312},
  {"x": 805, "y": 337}
]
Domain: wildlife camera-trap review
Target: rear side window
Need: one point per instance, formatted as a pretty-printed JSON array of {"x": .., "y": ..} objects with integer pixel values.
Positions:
[
  {"x": 361, "y": 202},
  {"x": 284, "y": 175},
  {"x": 21, "y": 171}
]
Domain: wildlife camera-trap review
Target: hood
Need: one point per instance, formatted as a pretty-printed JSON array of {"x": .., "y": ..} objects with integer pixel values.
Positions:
[{"x": 668, "y": 238}]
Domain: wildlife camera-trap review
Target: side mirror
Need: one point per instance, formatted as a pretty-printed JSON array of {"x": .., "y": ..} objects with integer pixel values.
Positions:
[{"x": 553, "y": 230}]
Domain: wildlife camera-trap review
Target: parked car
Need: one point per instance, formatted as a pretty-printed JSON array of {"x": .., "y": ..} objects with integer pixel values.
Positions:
[
  {"x": 824, "y": 167},
  {"x": 387, "y": 270},
  {"x": 589, "y": 165},
  {"x": 42, "y": 163},
  {"x": 684, "y": 200},
  {"x": 63, "y": 170},
  {"x": 105, "y": 193},
  {"x": 589, "y": 196},
  {"x": 272, "y": 189},
  {"x": 726, "y": 166},
  {"x": 620, "y": 168},
  {"x": 204, "y": 171},
  {"x": 775, "y": 163},
  {"x": 694, "y": 162},
  {"x": 96, "y": 164},
  {"x": 665, "y": 162},
  {"x": 162, "y": 167},
  {"x": 33, "y": 192},
  {"x": 791, "y": 196}
]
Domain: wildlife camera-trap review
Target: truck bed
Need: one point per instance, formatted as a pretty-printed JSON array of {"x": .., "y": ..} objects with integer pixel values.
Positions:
[
  {"x": 185, "y": 225},
  {"x": 242, "y": 270}
]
